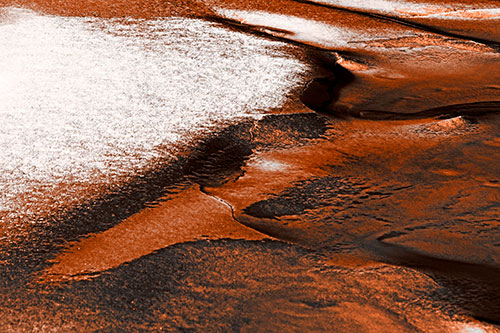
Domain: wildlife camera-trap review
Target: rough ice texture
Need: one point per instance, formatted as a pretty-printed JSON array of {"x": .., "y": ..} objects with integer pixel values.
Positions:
[{"x": 85, "y": 100}]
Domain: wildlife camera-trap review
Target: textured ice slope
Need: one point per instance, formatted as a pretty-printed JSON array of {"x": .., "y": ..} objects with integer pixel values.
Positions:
[{"x": 87, "y": 101}]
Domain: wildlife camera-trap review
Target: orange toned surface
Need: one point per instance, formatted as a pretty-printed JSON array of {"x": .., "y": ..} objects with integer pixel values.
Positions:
[
  {"x": 374, "y": 179},
  {"x": 398, "y": 67},
  {"x": 378, "y": 225},
  {"x": 245, "y": 286},
  {"x": 377, "y": 183},
  {"x": 109, "y": 8},
  {"x": 188, "y": 216}
]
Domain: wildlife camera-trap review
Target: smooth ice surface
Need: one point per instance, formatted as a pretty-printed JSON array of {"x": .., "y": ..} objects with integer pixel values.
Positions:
[{"x": 84, "y": 100}]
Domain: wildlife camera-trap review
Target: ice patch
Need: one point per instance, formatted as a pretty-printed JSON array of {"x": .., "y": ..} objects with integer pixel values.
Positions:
[
  {"x": 421, "y": 9},
  {"x": 302, "y": 29},
  {"x": 84, "y": 100}
]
